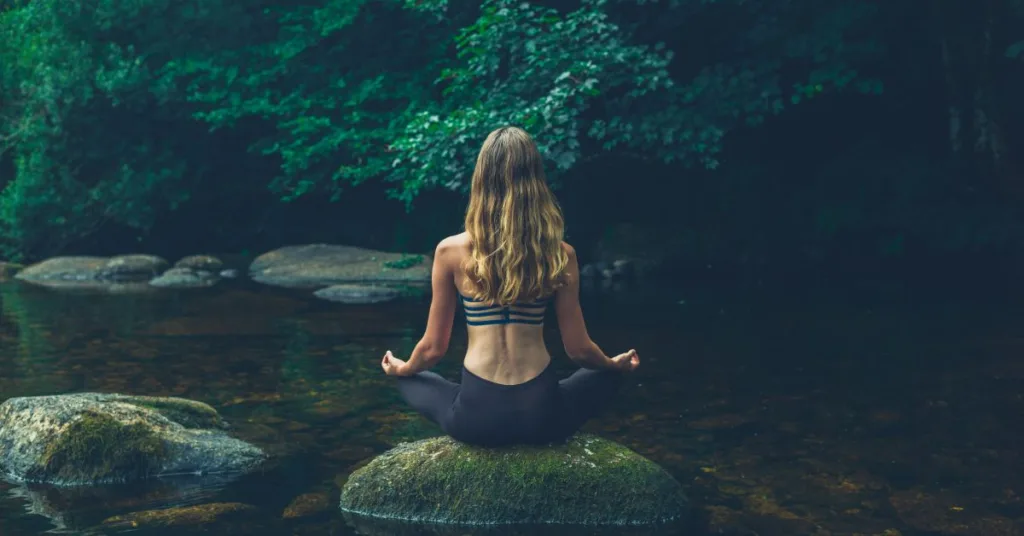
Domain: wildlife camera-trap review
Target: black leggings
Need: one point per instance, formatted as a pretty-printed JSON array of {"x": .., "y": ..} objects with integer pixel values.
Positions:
[{"x": 542, "y": 410}]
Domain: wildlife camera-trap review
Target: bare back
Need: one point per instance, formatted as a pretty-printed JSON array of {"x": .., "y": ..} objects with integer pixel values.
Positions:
[{"x": 507, "y": 353}]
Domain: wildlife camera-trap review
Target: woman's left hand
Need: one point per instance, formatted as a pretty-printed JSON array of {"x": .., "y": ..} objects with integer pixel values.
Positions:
[{"x": 393, "y": 366}]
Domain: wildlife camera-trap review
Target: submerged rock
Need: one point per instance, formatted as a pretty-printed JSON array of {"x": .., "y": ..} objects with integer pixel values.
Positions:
[
  {"x": 586, "y": 481},
  {"x": 358, "y": 294},
  {"x": 93, "y": 438},
  {"x": 75, "y": 509},
  {"x": 307, "y": 505},
  {"x": 185, "y": 516},
  {"x": 185, "y": 278},
  {"x": 318, "y": 265}
]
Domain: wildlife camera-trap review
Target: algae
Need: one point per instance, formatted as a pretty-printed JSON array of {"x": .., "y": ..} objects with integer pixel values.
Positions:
[
  {"x": 587, "y": 480},
  {"x": 98, "y": 448}
]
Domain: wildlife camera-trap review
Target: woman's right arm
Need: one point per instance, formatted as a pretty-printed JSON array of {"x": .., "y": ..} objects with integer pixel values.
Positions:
[{"x": 578, "y": 345}]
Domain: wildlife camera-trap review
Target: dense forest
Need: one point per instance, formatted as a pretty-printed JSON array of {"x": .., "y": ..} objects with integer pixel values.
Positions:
[{"x": 725, "y": 131}]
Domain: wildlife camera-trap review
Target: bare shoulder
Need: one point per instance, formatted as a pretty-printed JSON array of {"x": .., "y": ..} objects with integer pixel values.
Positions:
[
  {"x": 452, "y": 247},
  {"x": 569, "y": 250},
  {"x": 570, "y": 274}
]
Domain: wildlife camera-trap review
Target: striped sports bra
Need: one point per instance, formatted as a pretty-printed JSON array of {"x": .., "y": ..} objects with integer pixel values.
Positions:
[{"x": 478, "y": 314}]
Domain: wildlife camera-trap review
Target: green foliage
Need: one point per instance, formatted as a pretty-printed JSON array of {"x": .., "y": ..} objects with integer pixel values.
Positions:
[
  {"x": 342, "y": 106},
  {"x": 581, "y": 83},
  {"x": 109, "y": 111},
  {"x": 80, "y": 124},
  {"x": 330, "y": 90}
]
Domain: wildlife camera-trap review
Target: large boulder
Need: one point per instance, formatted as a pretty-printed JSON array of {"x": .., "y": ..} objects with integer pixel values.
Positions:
[
  {"x": 93, "y": 271},
  {"x": 63, "y": 269},
  {"x": 585, "y": 481},
  {"x": 93, "y": 438},
  {"x": 320, "y": 265}
]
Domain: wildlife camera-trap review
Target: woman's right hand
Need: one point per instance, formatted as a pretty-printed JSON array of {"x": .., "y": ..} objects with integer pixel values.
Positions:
[{"x": 626, "y": 362}]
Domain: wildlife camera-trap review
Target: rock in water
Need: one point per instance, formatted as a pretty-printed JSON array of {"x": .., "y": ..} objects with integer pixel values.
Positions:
[
  {"x": 357, "y": 294},
  {"x": 93, "y": 438},
  {"x": 318, "y": 265},
  {"x": 205, "y": 263},
  {"x": 586, "y": 481},
  {"x": 132, "y": 268},
  {"x": 67, "y": 272},
  {"x": 64, "y": 269},
  {"x": 185, "y": 278}
]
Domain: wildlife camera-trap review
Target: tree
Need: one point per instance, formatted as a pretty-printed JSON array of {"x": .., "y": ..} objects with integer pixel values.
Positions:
[{"x": 82, "y": 122}]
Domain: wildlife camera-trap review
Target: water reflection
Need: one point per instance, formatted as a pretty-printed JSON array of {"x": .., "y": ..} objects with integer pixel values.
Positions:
[
  {"x": 366, "y": 526},
  {"x": 72, "y": 510}
]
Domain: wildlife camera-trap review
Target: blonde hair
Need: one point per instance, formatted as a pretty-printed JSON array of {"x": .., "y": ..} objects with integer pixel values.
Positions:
[{"x": 514, "y": 223}]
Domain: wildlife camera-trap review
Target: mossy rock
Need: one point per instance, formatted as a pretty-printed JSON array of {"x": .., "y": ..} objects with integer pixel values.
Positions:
[
  {"x": 93, "y": 438},
  {"x": 586, "y": 481}
]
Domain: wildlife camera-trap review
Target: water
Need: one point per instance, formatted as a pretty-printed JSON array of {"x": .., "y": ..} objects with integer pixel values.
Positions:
[{"x": 781, "y": 414}]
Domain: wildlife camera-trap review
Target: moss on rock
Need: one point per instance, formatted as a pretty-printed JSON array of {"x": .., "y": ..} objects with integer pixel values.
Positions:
[
  {"x": 93, "y": 438},
  {"x": 99, "y": 448},
  {"x": 188, "y": 413},
  {"x": 586, "y": 481}
]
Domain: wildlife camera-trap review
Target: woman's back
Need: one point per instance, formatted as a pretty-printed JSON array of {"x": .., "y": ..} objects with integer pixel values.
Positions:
[{"x": 506, "y": 343}]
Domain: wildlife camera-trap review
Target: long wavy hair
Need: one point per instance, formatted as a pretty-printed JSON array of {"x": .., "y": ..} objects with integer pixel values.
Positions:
[{"x": 514, "y": 223}]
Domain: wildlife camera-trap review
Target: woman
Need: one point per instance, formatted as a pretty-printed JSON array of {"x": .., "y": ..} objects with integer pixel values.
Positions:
[{"x": 508, "y": 266}]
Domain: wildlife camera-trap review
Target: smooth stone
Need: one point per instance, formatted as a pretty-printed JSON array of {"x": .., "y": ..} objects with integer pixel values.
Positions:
[
  {"x": 185, "y": 278},
  {"x": 587, "y": 481},
  {"x": 63, "y": 269},
  {"x": 358, "y": 294},
  {"x": 94, "y": 438},
  {"x": 94, "y": 270},
  {"x": 319, "y": 265},
  {"x": 132, "y": 268},
  {"x": 207, "y": 263}
]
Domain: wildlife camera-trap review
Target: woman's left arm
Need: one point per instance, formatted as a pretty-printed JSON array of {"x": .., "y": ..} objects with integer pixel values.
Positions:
[{"x": 434, "y": 343}]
